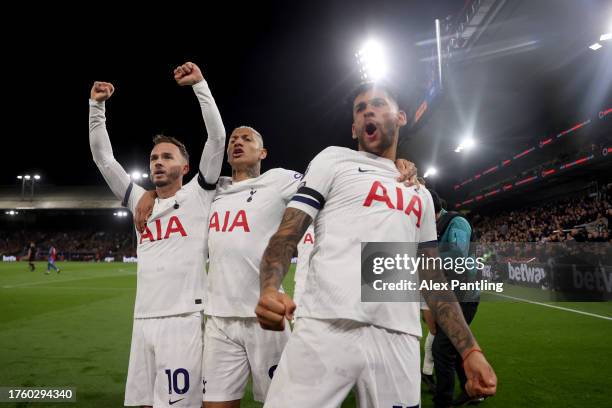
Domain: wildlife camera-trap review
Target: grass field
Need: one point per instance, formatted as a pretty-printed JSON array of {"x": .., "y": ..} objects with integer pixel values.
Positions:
[{"x": 73, "y": 329}]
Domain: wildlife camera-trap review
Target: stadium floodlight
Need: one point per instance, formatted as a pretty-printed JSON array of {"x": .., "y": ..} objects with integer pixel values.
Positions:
[
  {"x": 137, "y": 175},
  {"x": 372, "y": 61},
  {"x": 23, "y": 181},
  {"x": 431, "y": 171},
  {"x": 466, "y": 144},
  {"x": 605, "y": 37},
  {"x": 469, "y": 143},
  {"x": 11, "y": 212},
  {"x": 24, "y": 178},
  {"x": 120, "y": 214},
  {"x": 35, "y": 178},
  {"x": 595, "y": 46}
]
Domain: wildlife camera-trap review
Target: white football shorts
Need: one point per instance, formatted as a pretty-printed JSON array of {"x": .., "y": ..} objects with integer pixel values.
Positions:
[
  {"x": 166, "y": 362},
  {"x": 235, "y": 347},
  {"x": 325, "y": 359}
]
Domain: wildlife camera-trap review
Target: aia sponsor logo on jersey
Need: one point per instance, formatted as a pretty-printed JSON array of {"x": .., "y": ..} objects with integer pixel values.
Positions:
[
  {"x": 308, "y": 238},
  {"x": 229, "y": 223},
  {"x": 173, "y": 226},
  {"x": 378, "y": 192}
]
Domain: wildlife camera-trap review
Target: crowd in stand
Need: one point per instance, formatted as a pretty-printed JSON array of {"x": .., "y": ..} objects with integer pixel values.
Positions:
[
  {"x": 94, "y": 245},
  {"x": 551, "y": 231},
  {"x": 582, "y": 218}
]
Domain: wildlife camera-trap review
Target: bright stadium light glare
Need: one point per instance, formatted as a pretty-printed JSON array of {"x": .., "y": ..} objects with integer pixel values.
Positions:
[
  {"x": 605, "y": 37},
  {"x": 145, "y": 175},
  {"x": 372, "y": 61},
  {"x": 19, "y": 177},
  {"x": 595, "y": 46},
  {"x": 469, "y": 143},
  {"x": 136, "y": 175},
  {"x": 27, "y": 176},
  {"x": 431, "y": 171},
  {"x": 37, "y": 177},
  {"x": 466, "y": 144}
]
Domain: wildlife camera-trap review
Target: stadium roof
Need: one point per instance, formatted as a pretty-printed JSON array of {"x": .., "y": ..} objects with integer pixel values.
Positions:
[
  {"x": 527, "y": 76},
  {"x": 54, "y": 198}
]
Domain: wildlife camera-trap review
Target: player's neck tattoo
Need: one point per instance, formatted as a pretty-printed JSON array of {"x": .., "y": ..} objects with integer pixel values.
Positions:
[{"x": 243, "y": 174}]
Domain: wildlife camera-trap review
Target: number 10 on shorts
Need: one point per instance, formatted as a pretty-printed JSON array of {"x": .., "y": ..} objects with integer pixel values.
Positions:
[{"x": 178, "y": 381}]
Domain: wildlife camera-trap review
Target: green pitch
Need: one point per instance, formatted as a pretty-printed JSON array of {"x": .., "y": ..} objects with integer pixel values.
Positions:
[{"x": 74, "y": 329}]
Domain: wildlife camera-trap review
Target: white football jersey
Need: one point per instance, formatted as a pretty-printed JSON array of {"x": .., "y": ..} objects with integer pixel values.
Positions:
[
  {"x": 304, "y": 249},
  {"x": 243, "y": 217},
  {"x": 354, "y": 197},
  {"x": 172, "y": 251}
]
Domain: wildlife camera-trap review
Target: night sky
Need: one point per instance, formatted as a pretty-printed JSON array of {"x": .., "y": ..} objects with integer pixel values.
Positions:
[{"x": 282, "y": 67}]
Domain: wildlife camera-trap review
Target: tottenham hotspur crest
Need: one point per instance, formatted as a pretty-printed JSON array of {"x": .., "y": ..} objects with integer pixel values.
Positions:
[{"x": 251, "y": 194}]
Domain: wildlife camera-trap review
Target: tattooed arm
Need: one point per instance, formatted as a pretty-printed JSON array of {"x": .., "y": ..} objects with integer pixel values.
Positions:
[
  {"x": 482, "y": 380},
  {"x": 274, "y": 306},
  {"x": 445, "y": 307}
]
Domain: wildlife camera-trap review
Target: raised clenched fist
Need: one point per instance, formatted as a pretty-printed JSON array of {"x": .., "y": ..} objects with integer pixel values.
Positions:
[
  {"x": 188, "y": 74},
  {"x": 101, "y": 91},
  {"x": 273, "y": 308}
]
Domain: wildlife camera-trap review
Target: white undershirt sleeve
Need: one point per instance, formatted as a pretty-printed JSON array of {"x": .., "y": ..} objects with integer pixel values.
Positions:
[
  {"x": 212, "y": 156},
  {"x": 116, "y": 177}
]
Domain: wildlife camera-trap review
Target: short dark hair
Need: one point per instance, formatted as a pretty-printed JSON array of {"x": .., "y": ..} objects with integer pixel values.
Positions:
[
  {"x": 169, "y": 139},
  {"x": 384, "y": 86}
]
